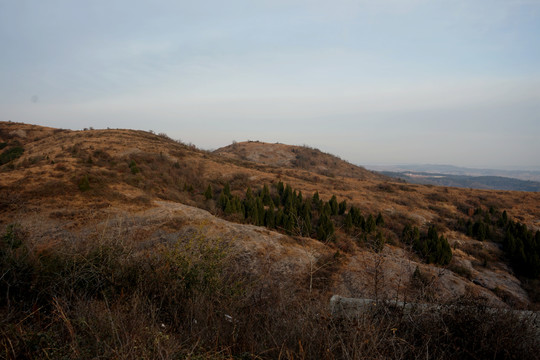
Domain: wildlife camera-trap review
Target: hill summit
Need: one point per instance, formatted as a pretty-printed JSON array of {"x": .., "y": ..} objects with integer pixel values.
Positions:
[{"x": 296, "y": 157}]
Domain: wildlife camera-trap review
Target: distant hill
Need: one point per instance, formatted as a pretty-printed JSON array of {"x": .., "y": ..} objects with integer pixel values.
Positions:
[
  {"x": 296, "y": 157},
  {"x": 521, "y": 174},
  {"x": 464, "y": 181}
]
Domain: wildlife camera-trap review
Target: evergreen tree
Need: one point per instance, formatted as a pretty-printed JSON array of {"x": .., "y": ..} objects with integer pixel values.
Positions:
[
  {"x": 325, "y": 228},
  {"x": 287, "y": 195},
  {"x": 227, "y": 190},
  {"x": 326, "y": 209},
  {"x": 249, "y": 193},
  {"x": 269, "y": 217},
  {"x": 222, "y": 200},
  {"x": 379, "y": 221},
  {"x": 469, "y": 227},
  {"x": 479, "y": 230},
  {"x": 208, "y": 194},
  {"x": 279, "y": 219},
  {"x": 342, "y": 207},
  {"x": 299, "y": 199},
  {"x": 433, "y": 248},
  {"x": 315, "y": 200},
  {"x": 280, "y": 188},
  {"x": 410, "y": 235},
  {"x": 357, "y": 218},
  {"x": 370, "y": 224},
  {"x": 290, "y": 224},
  {"x": 265, "y": 195},
  {"x": 228, "y": 207},
  {"x": 260, "y": 211},
  {"x": 334, "y": 207}
]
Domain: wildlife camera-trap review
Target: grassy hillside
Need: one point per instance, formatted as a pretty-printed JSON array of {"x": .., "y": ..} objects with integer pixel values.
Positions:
[
  {"x": 128, "y": 244},
  {"x": 296, "y": 157}
]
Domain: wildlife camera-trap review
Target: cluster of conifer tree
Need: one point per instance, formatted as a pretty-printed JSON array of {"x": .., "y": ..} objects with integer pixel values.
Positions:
[
  {"x": 521, "y": 244},
  {"x": 288, "y": 210},
  {"x": 432, "y": 247},
  {"x": 481, "y": 225}
]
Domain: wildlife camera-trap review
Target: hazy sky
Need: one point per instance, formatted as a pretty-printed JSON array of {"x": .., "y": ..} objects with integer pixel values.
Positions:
[{"x": 373, "y": 81}]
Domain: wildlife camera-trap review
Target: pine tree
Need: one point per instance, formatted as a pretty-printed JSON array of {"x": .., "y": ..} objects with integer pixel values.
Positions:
[
  {"x": 222, "y": 200},
  {"x": 370, "y": 224},
  {"x": 260, "y": 211},
  {"x": 279, "y": 219},
  {"x": 280, "y": 188},
  {"x": 326, "y": 227},
  {"x": 227, "y": 190},
  {"x": 289, "y": 223},
  {"x": 342, "y": 207},
  {"x": 326, "y": 210},
  {"x": 410, "y": 235},
  {"x": 299, "y": 199},
  {"x": 269, "y": 217},
  {"x": 208, "y": 194},
  {"x": 315, "y": 200},
  {"x": 287, "y": 195},
  {"x": 265, "y": 195},
  {"x": 334, "y": 207},
  {"x": 228, "y": 207},
  {"x": 249, "y": 193},
  {"x": 379, "y": 221}
]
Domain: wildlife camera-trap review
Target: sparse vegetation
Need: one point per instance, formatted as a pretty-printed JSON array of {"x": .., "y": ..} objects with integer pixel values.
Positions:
[
  {"x": 186, "y": 299},
  {"x": 73, "y": 288}
]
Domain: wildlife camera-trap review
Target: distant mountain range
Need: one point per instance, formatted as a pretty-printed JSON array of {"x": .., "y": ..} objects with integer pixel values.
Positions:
[{"x": 448, "y": 175}]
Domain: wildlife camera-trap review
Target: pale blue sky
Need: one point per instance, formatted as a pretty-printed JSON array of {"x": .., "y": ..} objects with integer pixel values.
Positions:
[{"x": 375, "y": 82}]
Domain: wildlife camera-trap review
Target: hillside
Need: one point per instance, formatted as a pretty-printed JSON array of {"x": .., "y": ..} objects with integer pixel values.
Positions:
[
  {"x": 144, "y": 196},
  {"x": 295, "y": 157}
]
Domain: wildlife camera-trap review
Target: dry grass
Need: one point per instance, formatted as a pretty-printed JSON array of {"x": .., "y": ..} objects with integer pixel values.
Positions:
[
  {"x": 276, "y": 318},
  {"x": 111, "y": 299}
]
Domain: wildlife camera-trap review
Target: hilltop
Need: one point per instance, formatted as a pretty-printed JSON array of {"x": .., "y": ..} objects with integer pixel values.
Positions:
[
  {"x": 295, "y": 221},
  {"x": 296, "y": 157}
]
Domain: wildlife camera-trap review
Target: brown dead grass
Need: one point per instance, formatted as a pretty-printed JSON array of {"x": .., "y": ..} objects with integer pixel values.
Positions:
[{"x": 45, "y": 180}]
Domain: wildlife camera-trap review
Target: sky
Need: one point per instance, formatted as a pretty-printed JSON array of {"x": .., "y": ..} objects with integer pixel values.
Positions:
[{"x": 372, "y": 81}]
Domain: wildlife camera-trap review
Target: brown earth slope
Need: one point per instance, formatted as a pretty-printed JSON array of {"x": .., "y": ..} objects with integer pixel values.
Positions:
[
  {"x": 296, "y": 157},
  {"x": 71, "y": 184}
]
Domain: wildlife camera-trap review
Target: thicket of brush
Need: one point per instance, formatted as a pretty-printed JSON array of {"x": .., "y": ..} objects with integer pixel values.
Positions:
[{"x": 106, "y": 297}]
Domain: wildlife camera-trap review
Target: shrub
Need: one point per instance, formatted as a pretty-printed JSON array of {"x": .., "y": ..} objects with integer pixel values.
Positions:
[
  {"x": 11, "y": 154},
  {"x": 84, "y": 183},
  {"x": 133, "y": 167},
  {"x": 193, "y": 298}
]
